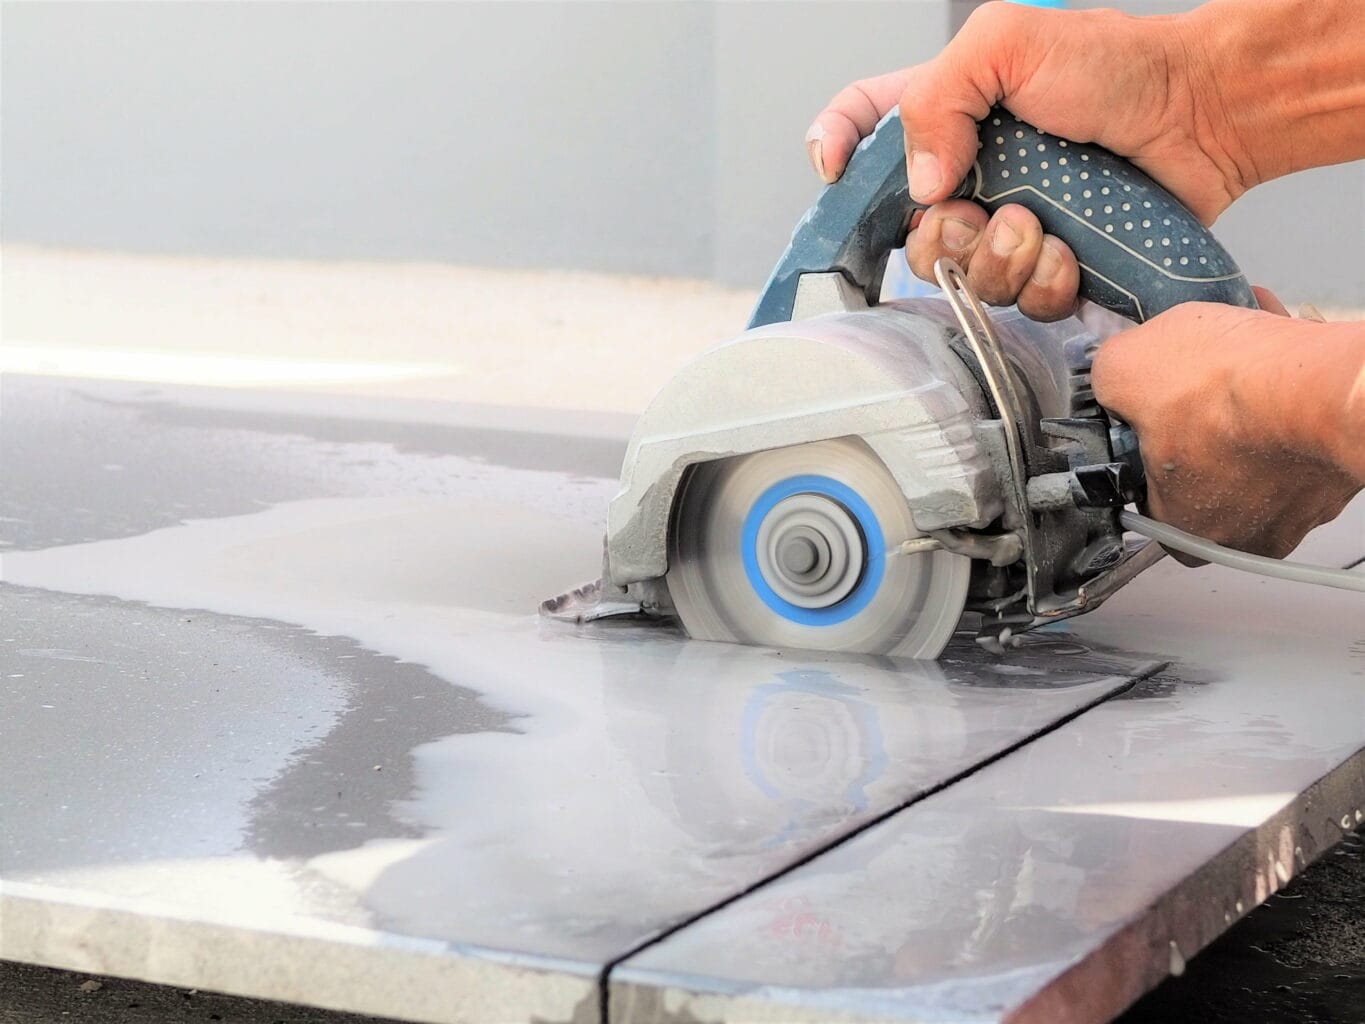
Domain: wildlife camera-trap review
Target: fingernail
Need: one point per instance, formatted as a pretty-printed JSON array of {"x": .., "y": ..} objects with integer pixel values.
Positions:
[
  {"x": 1049, "y": 263},
  {"x": 956, "y": 234},
  {"x": 815, "y": 149},
  {"x": 925, "y": 175},
  {"x": 1004, "y": 239},
  {"x": 1308, "y": 311}
]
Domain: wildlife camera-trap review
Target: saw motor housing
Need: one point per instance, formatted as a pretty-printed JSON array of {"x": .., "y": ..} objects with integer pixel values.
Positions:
[{"x": 901, "y": 378}]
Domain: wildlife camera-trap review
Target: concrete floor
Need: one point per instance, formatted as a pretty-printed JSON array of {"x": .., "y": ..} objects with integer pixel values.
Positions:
[
  {"x": 413, "y": 330},
  {"x": 1300, "y": 957},
  {"x": 418, "y": 330}
]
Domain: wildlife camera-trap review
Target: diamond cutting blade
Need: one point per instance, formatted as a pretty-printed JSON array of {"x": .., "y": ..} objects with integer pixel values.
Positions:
[{"x": 799, "y": 547}]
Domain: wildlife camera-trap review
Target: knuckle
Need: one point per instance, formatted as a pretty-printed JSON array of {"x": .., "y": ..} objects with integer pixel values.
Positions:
[
  {"x": 850, "y": 95},
  {"x": 993, "y": 21},
  {"x": 861, "y": 88},
  {"x": 913, "y": 108},
  {"x": 919, "y": 253},
  {"x": 986, "y": 16}
]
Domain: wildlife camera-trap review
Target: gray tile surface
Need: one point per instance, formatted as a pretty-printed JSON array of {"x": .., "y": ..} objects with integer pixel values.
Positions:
[
  {"x": 1062, "y": 881},
  {"x": 278, "y": 718}
]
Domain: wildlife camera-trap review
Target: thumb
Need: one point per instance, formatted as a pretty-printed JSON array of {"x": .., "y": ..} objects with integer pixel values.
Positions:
[
  {"x": 945, "y": 98},
  {"x": 1117, "y": 373}
]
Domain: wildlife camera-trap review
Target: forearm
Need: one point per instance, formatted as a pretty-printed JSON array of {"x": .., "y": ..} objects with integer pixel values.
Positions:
[
  {"x": 1313, "y": 385},
  {"x": 1286, "y": 80}
]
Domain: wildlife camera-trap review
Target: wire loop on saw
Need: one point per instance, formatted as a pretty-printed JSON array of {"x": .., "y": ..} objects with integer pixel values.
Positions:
[{"x": 980, "y": 334}]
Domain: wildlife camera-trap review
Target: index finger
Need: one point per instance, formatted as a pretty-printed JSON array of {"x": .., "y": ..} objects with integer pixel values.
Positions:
[{"x": 848, "y": 118}]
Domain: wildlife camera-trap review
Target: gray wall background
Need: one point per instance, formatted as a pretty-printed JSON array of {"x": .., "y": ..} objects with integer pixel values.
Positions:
[{"x": 621, "y": 136}]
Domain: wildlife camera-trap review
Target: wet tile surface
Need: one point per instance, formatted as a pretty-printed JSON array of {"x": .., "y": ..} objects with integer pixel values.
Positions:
[
  {"x": 279, "y": 676},
  {"x": 1067, "y": 878}
]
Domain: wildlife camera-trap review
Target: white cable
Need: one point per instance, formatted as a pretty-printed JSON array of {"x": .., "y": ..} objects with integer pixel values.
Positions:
[{"x": 1298, "y": 572}]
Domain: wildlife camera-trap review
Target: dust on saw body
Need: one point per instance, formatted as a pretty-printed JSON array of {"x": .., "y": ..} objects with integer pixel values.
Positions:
[{"x": 858, "y": 498}]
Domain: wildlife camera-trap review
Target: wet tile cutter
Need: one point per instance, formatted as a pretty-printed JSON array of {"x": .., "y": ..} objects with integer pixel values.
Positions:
[{"x": 849, "y": 475}]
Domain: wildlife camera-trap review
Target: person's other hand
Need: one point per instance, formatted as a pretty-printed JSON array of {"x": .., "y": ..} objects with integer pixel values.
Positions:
[
  {"x": 1243, "y": 419},
  {"x": 1138, "y": 86}
]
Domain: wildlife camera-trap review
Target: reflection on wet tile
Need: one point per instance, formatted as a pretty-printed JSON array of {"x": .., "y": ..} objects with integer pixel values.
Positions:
[{"x": 1168, "y": 812}]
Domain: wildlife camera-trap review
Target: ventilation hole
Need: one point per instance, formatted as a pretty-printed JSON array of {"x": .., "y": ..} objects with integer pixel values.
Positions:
[
  {"x": 1062, "y": 143},
  {"x": 1184, "y": 260},
  {"x": 1084, "y": 175},
  {"x": 1043, "y": 165},
  {"x": 1088, "y": 212},
  {"x": 1128, "y": 225},
  {"x": 1106, "y": 172},
  {"x": 1184, "y": 241},
  {"x": 1023, "y": 170},
  {"x": 1001, "y": 157},
  {"x": 1087, "y": 193},
  {"x": 1023, "y": 151},
  {"x": 1203, "y": 259},
  {"x": 1041, "y": 148},
  {"x": 1105, "y": 190},
  {"x": 995, "y": 121},
  {"x": 1166, "y": 262},
  {"x": 1019, "y": 135},
  {"x": 1066, "y": 179},
  {"x": 1166, "y": 221},
  {"x": 1126, "y": 207},
  {"x": 1146, "y": 223},
  {"x": 1166, "y": 242},
  {"x": 999, "y": 139},
  {"x": 1046, "y": 183},
  {"x": 1109, "y": 229},
  {"x": 1085, "y": 156},
  {"x": 1066, "y": 197},
  {"x": 1004, "y": 174},
  {"x": 1061, "y": 161},
  {"x": 1146, "y": 205},
  {"x": 1108, "y": 209},
  {"x": 1148, "y": 243}
]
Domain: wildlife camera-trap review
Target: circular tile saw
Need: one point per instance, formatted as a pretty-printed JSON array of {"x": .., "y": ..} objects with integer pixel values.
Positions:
[{"x": 850, "y": 475}]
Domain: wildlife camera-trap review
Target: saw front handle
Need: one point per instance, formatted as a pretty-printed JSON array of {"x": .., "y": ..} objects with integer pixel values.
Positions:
[{"x": 1140, "y": 251}]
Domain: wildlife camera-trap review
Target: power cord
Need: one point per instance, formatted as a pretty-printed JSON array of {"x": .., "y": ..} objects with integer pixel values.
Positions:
[{"x": 1297, "y": 572}]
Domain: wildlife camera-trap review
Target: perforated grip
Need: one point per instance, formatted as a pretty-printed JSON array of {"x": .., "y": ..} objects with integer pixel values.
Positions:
[{"x": 1140, "y": 251}]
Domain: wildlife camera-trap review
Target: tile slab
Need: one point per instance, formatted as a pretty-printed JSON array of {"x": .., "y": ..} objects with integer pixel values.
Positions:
[
  {"x": 1061, "y": 882},
  {"x": 278, "y": 718}
]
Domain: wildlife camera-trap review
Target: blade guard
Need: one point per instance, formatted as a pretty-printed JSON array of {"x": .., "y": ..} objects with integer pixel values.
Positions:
[{"x": 886, "y": 375}]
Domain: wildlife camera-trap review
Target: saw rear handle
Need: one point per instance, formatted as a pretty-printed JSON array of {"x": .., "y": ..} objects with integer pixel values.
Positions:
[{"x": 1140, "y": 250}]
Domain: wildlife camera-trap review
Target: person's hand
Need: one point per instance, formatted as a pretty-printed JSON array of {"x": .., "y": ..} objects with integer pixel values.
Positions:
[
  {"x": 1137, "y": 86},
  {"x": 1007, "y": 257},
  {"x": 1250, "y": 424}
]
